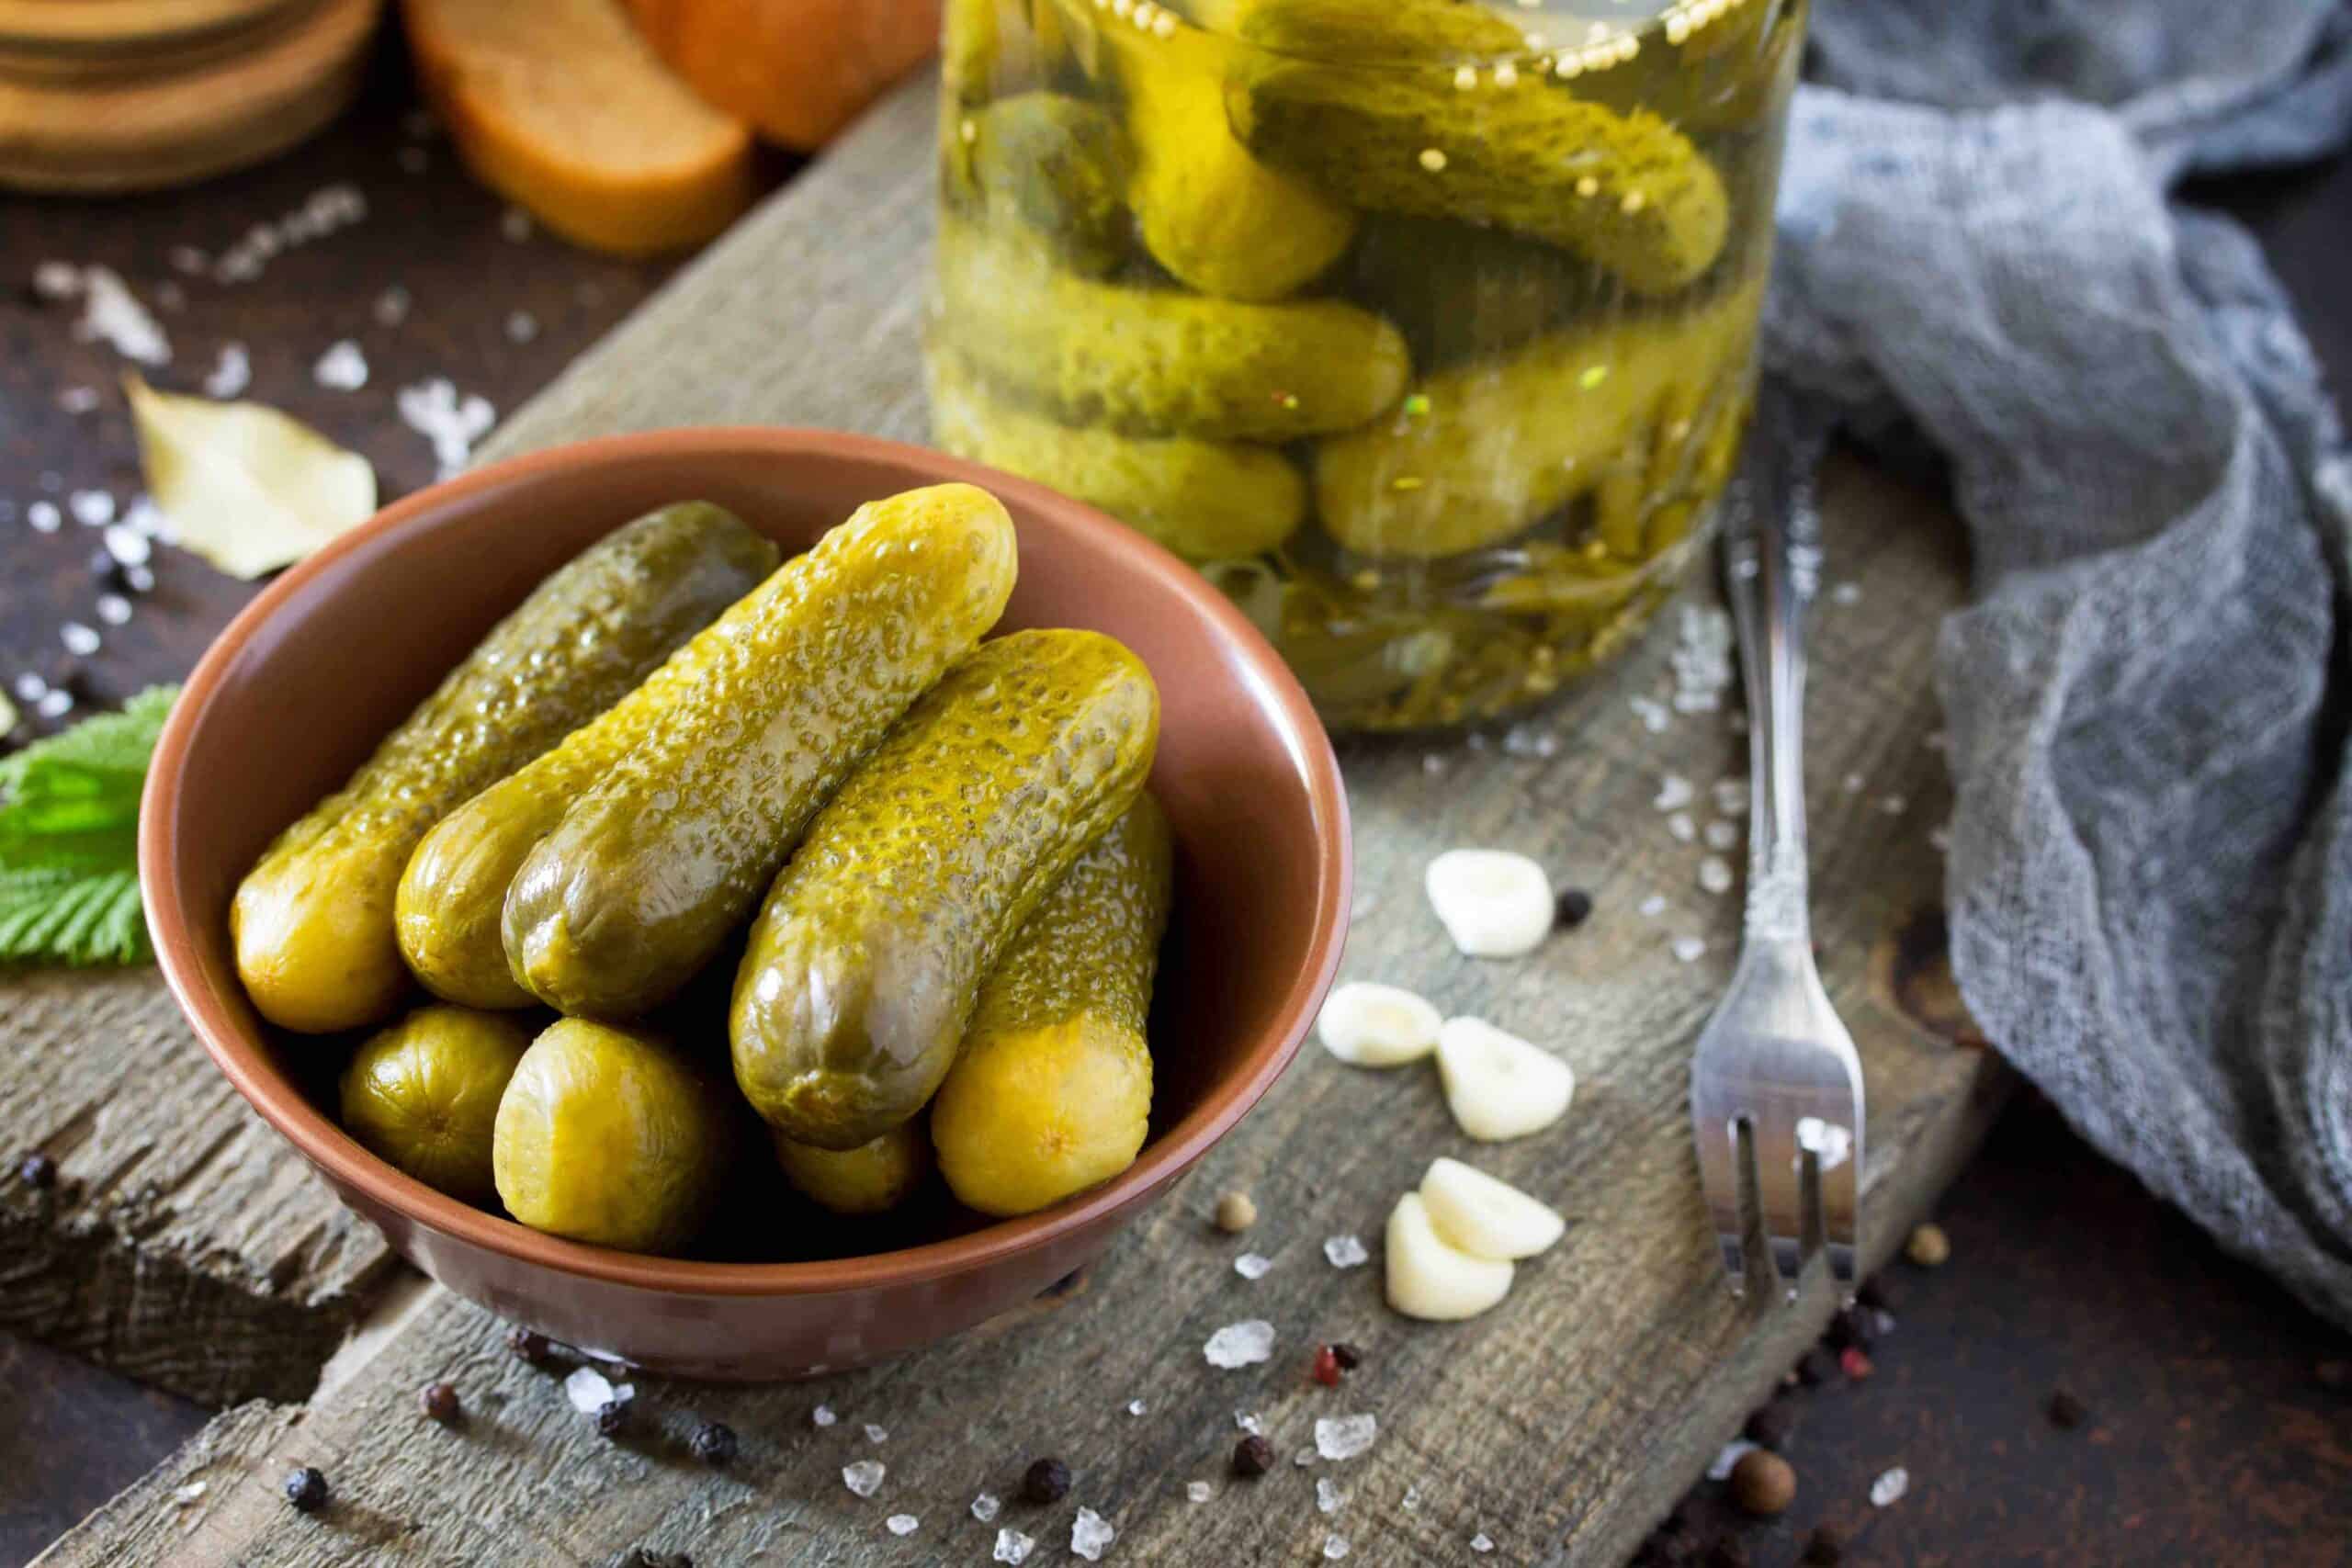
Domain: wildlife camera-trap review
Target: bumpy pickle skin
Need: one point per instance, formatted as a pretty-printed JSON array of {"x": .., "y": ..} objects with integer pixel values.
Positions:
[
  {"x": 872, "y": 1179},
  {"x": 609, "y": 1135},
  {"x": 1156, "y": 361},
  {"x": 1625, "y": 189},
  {"x": 1051, "y": 1094},
  {"x": 423, "y": 1094},
  {"x": 448, "y": 906},
  {"x": 1459, "y": 294},
  {"x": 865, "y": 963},
  {"x": 313, "y": 921},
  {"x": 1499, "y": 445},
  {"x": 1059, "y": 165},
  {"x": 1217, "y": 217},
  {"x": 653, "y": 868},
  {"x": 1204, "y": 500}
]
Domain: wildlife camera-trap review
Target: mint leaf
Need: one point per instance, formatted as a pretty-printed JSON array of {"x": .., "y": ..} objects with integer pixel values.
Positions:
[{"x": 69, "y": 838}]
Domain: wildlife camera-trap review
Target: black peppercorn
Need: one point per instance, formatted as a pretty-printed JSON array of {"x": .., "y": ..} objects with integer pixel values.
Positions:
[
  {"x": 1823, "y": 1548},
  {"x": 1769, "y": 1428},
  {"x": 306, "y": 1489},
  {"x": 536, "y": 1348},
  {"x": 612, "y": 1417},
  {"x": 1572, "y": 908},
  {"x": 1253, "y": 1456},
  {"x": 1048, "y": 1482},
  {"x": 37, "y": 1172},
  {"x": 2067, "y": 1412},
  {"x": 1850, "y": 1330},
  {"x": 714, "y": 1443},
  {"x": 439, "y": 1399},
  {"x": 1348, "y": 1356},
  {"x": 1871, "y": 1295}
]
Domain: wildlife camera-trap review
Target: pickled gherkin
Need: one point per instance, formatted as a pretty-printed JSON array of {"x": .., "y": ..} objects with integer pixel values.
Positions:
[
  {"x": 423, "y": 1094},
  {"x": 871, "y": 1179},
  {"x": 1059, "y": 165},
  {"x": 1157, "y": 361},
  {"x": 1051, "y": 1094},
  {"x": 313, "y": 921},
  {"x": 865, "y": 963},
  {"x": 1204, "y": 500},
  {"x": 1557, "y": 213},
  {"x": 651, "y": 869}
]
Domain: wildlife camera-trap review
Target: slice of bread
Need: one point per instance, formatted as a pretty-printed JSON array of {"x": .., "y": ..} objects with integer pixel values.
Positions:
[{"x": 560, "y": 105}]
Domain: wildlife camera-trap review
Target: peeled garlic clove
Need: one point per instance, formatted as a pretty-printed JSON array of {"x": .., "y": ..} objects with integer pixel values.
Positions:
[
  {"x": 1370, "y": 1025},
  {"x": 1498, "y": 1085},
  {"x": 1492, "y": 903},
  {"x": 1483, "y": 1217},
  {"x": 1428, "y": 1279}
]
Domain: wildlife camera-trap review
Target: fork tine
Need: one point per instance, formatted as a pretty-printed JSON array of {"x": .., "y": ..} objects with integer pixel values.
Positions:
[
  {"x": 1841, "y": 1221},
  {"x": 1726, "y": 1172},
  {"x": 1779, "y": 1195}
]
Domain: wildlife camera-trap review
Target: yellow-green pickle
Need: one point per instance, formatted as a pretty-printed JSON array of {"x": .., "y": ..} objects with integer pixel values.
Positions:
[
  {"x": 611, "y": 1135},
  {"x": 1051, "y": 1092},
  {"x": 1425, "y": 328},
  {"x": 872, "y": 1179},
  {"x": 866, "y": 960},
  {"x": 424, "y": 1094}
]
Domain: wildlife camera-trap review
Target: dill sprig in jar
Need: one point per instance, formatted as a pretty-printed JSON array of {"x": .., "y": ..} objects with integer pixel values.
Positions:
[{"x": 1425, "y": 328}]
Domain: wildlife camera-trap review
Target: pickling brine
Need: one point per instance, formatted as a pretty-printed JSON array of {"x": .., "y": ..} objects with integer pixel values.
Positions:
[{"x": 1425, "y": 328}]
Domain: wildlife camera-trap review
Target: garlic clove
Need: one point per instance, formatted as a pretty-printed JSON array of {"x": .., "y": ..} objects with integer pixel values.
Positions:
[
  {"x": 1477, "y": 1214},
  {"x": 1430, "y": 1281},
  {"x": 1370, "y": 1025},
  {"x": 1493, "y": 904},
  {"x": 1499, "y": 1086}
]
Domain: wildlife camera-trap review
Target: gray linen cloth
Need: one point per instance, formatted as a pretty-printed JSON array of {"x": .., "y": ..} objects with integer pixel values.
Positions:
[{"x": 2150, "y": 864}]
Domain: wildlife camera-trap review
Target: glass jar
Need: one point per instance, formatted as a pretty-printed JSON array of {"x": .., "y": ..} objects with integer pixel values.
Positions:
[{"x": 1425, "y": 328}]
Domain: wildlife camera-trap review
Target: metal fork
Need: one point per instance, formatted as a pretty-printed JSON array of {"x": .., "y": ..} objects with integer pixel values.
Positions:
[{"x": 1776, "y": 1089}]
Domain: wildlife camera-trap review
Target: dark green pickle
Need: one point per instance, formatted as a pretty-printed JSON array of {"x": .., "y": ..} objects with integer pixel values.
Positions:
[{"x": 1559, "y": 216}]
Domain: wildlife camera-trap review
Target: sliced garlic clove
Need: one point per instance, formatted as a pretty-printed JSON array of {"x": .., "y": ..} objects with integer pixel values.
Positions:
[
  {"x": 1486, "y": 1217},
  {"x": 1492, "y": 903},
  {"x": 1428, "y": 1279},
  {"x": 1370, "y": 1025},
  {"x": 1498, "y": 1085}
]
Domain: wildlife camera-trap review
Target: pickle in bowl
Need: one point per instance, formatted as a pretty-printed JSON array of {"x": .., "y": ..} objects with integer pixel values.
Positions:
[
  {"x": 1532, "y": 348},
  {"x": 423, "y": 1094},
  {"x": 872, "y": 1179}
]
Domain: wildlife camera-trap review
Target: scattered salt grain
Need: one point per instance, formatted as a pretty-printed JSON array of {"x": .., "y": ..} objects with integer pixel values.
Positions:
[
  {"x": 986, "y": 1506},
  {"x": 113, "y": 609},
  {"x": 1652, "y": 907},
  {"x": 127, "y": 545},
  {"x": 1345, "y": 1436},
  {"x": 1482, "y": 1543},
  {"x": 1893, "y": 805},
  {"x": 1939, "y": 840},
  {"x": 189, "y": 1493},
  {"x": 55, "y": 704},
  {"x": 863, "y": 1476},
  {"x": 232, "y": 373},
  {"x": 78, "y": 400},
  {"x": 392, "y": 307},
  {"x": 1845, "y": 593},
  {"x": 1730, "y": 1454},
  {"x": 1651, "y": 712},
  {"x": 521, "y": 326},
  {"x": 1091, "y": 1534},
  {"x": 342, "y": 368},
  {"x": 1302, "y": 1457},
  {"x": 1690, "y": 948},
  {"x": 1345, "y": 1251},
  {"x": 1852, "y": 784},
  {"x": 516, "y": 224},
  {"x": 188, "y": 260},
  {"x": 140, "y": 579},
  {"x": 1721, "y": 835},
  {"x": 1335, "y": 1546},
  {"x": 1249, "y": 1423},
  {"x": 1252, "y": 1264},
  {"x": 435, "y": 410},
  {"x": 1526, "y": 740},
  {"x": 1674, "y": 793},
  {"x": 1681, "y": 828},
  {"x": 1731, "y": 796},
  {"x": 91, "y": 508},
  {"x": 111, "y": 314},
  {"x": 1365, "y": 904},
  {"x": 901, "y": 1523},
  {"x": 1136, "y": 1407},
  {"x": 57, "y": 280},
  {"x": 1412, "y": 1501},
  {"x": 1714, "y": 875},
  {"x": 589, "y": 1389},
  {"x": 30, "y": 688},
  {"x": 43, "y": 516},
  {"x": 823, "y": 1416},
  {"x": 1889, "y": 1488},
  {"x": 1243, "y": 1344},
  {"x": 79, "y": 640},
  {"x": 1435, "y": 764},
  {"x": 1199, "y": 1491},
  {"x": 1328, "y": 1498},
  {"x": 1011, "y": 1546},
  {"x": 875, "y": 1434}
]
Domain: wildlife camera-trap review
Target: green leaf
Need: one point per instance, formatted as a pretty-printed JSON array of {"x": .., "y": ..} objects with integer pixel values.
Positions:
[{"x": 69, "y": 838}]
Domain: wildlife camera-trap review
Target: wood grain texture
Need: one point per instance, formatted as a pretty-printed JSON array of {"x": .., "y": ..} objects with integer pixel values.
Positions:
[
  {"x": 1562, "y": 1424},
  {"x": 183, "y": 1244}
]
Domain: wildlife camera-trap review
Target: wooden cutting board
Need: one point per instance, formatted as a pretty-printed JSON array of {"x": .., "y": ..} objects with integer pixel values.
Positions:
[{"x": 1562, "y": 1424}]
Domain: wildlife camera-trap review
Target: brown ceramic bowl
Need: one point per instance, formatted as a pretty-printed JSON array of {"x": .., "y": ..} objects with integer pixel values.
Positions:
[{"x": 302, "y": 684}]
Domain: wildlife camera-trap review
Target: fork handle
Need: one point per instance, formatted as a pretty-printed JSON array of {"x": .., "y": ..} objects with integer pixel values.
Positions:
[{"x": 1772, "y": 568}]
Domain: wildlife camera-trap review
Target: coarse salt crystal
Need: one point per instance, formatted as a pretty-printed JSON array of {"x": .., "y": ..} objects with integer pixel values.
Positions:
[
  {"x": 901, "y": 1523},
  {"x": 516, "y": 224},
  {"x": 342, "y": 368},
  {"x": 1651, "y": 712},
  {"x": 1674, "y": 793},
  {"x": 875, "y": 1434},
  {"x": 1345, "y": 1251},
  {"x": 1690, "y": 948},
  {"x": 1412, "y": 1501},
  {"x": 392, "y": 307},
  {"x": 1011, "y": 1546},
  {"x": 863, "y": 1476},
  {"x": 1681, "y": 828},
  {"x": 1482, "y": 1543},
  {"x": 232, "y": 373},
  {"x": 1721, "y": 835},
  {"x": 1845, "y": 593},
  {"x": 1243, "y": 1344},
  {"x": 1365, "y": 904},
  {"x": 79, "y": 640},
  {"x": 55, "y": 704},
  {"x": 1730, "y": 1454},
  {"x": 589, "y": 1389},
  {"x": 1852, "y": 782},
  {"x": 1136, "y": 1407},
  {"x": 1252, "y": 1264},
  {"x": 113, "y": 609},
  {"x": 189, "y": 1493},
  {"x": 1889, "y": 1487},
  {"x": 1302, "y": 1457},
  {"x": 1893, "y": 805},
  {"x": 111, "y": 314},
  {"x": 91, "y": 508},
  {"x": 521, "y": 326},
  {"x": 1526, "y": 740},
  {"x": 1335, "y": 1546},
  {"x": 1939, "y": 840},
  {"x": 823, "y": 1416},
  {"x": 1652, "y": 907},
  {"x": 1345, "y": 1436},
  {"x": 78, "y": 400},
  {"x": 43, "y": 516},
  {"x": 1328, "y": 1498},
  {"x": 126, "y": 543},
  {"x": 1714, "y": 875},
  {"x": 1731, "y": 796},
  {"x": 985, "y": 1506},
  {"x": 1249, "y": 1423},
  {"x": 30, "y": 688},
  {"x": 1199, "y": 1491},
  {"x": 140, "y": 579},
  {"x": 1091, "y": 1534}
]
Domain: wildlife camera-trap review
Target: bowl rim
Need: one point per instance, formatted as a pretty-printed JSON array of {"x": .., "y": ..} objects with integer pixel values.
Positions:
[{"x": 244, "y": 1059}]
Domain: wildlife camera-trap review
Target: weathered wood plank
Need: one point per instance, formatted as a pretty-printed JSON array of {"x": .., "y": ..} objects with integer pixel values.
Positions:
[
  {"x": 182, "y": 1245},
  {"x": 1562, "y": 1424}
]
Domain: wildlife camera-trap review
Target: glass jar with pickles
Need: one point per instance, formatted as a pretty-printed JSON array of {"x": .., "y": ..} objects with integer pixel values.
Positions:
[{"x": 1423, "y": 327}]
